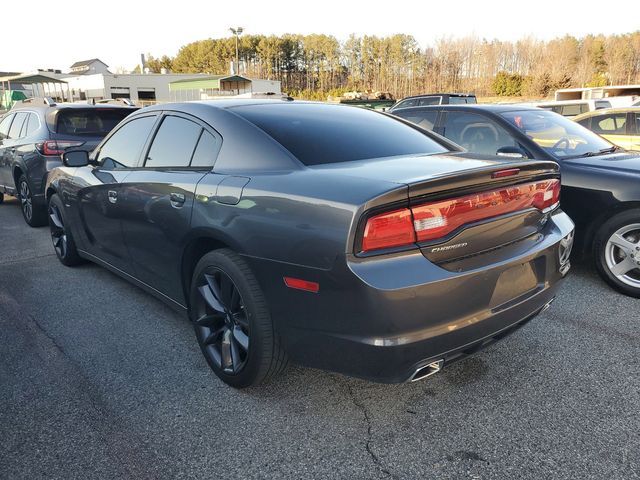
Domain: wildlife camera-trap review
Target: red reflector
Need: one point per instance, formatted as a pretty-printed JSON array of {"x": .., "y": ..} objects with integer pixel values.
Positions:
[
  {"x": 300, "y": 284},
  {"x": 391, "y": 229},
  {"x": 506, "y": 173}
]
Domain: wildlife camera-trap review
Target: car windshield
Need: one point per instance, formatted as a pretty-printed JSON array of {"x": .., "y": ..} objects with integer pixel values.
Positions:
[{"x": 557, "y": 135}]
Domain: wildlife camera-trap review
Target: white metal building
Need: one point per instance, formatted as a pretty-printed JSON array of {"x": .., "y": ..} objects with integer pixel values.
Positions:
[{"x": 140, "y": 88}]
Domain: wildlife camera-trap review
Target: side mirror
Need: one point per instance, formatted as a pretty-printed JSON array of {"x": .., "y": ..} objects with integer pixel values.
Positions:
[
  {"x": 75, "y": 158},
  {"x": 513, "y": 152}
]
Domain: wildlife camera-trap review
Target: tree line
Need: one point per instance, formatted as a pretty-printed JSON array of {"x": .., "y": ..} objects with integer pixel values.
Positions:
[{"x": 317, "y": 65}]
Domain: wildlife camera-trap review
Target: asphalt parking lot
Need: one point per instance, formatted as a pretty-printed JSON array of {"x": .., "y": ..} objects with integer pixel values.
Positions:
[{"x": 100, "y": 380}]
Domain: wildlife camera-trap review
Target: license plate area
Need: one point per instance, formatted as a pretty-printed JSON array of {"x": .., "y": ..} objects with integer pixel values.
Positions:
[{"x": 513, "y": 284}]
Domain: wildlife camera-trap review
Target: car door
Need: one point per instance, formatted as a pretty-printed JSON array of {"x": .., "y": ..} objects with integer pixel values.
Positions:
[
  {"x": 99, "y": 194},
  {"x": 10, "y": 145},
  {"x": 635, "y": 136},
  {"x": 158, "y": 199},
  {"x": 5, "y": 165}
]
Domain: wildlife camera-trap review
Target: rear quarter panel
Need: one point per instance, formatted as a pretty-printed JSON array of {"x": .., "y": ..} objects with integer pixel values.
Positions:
[{"x": 297, "y": 217}]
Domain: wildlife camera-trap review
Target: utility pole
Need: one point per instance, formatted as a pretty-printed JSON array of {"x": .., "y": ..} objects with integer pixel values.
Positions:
[{"x": 237, "y": 32}]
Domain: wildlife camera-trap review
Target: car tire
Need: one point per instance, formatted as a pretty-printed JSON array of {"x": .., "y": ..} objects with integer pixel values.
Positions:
[
  {"x": 34, "y": 214},
  {"x": 63, "y": 243},
  {"x": 617, "y": 252},
  {"x": 232, "y": 321}
]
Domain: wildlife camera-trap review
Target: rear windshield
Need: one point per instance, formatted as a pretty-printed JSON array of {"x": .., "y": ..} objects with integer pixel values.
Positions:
[
  {"x": 318, "y": 134},
  {"x": 91, "y": 122}
]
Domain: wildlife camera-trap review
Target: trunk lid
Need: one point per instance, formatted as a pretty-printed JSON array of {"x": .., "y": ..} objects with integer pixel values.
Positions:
[{"x": 481, "y": 204}]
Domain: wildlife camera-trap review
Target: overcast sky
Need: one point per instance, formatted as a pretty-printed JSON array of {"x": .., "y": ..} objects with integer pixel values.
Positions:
[{"x": 55, "y": 34}]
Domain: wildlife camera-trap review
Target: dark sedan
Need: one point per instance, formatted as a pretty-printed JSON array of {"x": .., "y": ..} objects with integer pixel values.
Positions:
[
  {"x": 599, "y": 180},
  {"x": 337, "y": 237}
]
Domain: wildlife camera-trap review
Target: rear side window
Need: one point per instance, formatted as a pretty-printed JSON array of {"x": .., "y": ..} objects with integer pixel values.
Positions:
[
  {"x": 318, "y": 134},
  {"x": 476, "y": 133},
  {"x": 4, "y": 126},
  {"x": 614, "y": 124},
  {"x": 430, "y": 101},
  {"x": 31, "y": 125},
  {"x": 95, "y": 122},
  {"x": 462, "y": 100},
  {"x": 16, "y": 126},
  {"x": 124, "y": 147},
  {"x": 174, "y": 143},
  {"x": 205, "y": 153},
  {"x": 586, "y": 122},
  {"x": 425, "y": 119}
]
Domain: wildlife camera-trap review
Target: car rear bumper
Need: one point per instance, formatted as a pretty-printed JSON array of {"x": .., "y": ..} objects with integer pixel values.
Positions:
[{"x": 382, "y": 319}]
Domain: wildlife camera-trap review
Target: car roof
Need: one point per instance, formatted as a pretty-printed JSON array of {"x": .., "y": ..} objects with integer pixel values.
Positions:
[
  {"x": 607, "y": 110},
  {"x": 439, "y": 95},
  {"x": 486, "y": 107},
  {"x": 60, "y": 106},
  {"x": 219, "y": 104}
]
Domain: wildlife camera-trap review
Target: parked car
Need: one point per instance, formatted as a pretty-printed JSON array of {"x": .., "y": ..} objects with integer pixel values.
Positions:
[
  {"x": 621, "y": 126},
  {"x": 434, "y": 99},
  {"x": 337, "y": 237},
  {"x": 572, "y": 108},
  {"x": 34, "y": 133},
  {"x": 599, "y": 181}
]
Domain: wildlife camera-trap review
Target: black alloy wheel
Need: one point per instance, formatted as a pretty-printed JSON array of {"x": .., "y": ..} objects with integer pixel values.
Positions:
[
  {"x": 232, "y": 322},
  {"x": 26, "y": 200},
  {"x": 61, "y": 237},
  {"x": 222, "y": 323},
  {"x": 32, "y": 212}
]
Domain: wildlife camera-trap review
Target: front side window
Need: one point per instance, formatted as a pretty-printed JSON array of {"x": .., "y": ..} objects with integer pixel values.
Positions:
[
  {"x": 476, "y": 133},
  {"x": 411, "y": 102},
  {"x": 123, "y": 148},
  {"x": 557, "y": 135},
  {"x": 174, "y": 143},
  {"x": 4, "y": 126},
  {"x": 16, "y": 126},
  {"x": 318, "y": 134},
  {"x": 614, "y": 124}
]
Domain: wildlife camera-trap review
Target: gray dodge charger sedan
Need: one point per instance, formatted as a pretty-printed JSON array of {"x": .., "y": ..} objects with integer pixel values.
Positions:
[{"x": 332, "y": 236}]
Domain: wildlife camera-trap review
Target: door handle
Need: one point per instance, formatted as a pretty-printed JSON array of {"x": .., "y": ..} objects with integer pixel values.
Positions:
[
  {"x": 177, "y": 199},
  {"x": 113, "y": 196}
]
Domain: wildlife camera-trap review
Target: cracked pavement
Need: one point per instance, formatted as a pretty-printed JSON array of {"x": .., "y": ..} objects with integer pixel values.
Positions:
[{"x": 100, "y": 380}]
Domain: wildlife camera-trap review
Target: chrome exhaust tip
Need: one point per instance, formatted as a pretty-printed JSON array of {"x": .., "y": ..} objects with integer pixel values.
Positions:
[
  {"x": 547, "y": 305},
  {"x": 427, "y": 370}
]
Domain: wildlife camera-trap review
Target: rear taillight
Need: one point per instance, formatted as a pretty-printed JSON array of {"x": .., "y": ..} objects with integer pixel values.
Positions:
[
  {"x": 391, "y": 229},
  {"x": 549, "y": 197},
  {"x": 435, "y": 220},
  {"x": 56, "y": 147}
]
